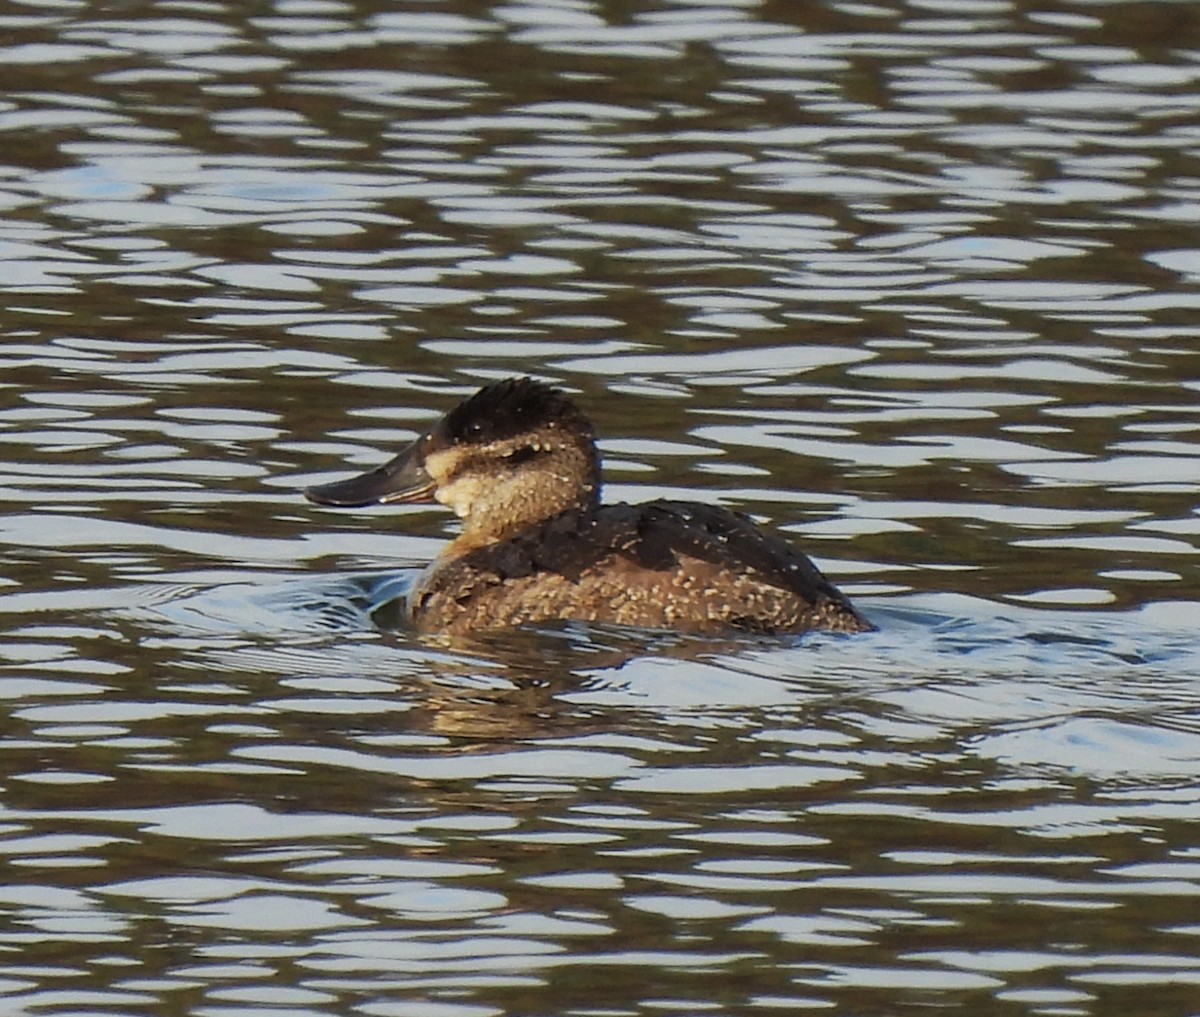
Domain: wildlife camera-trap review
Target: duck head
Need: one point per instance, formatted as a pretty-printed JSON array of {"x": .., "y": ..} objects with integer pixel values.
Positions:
[{"x": 516, "y": 452}]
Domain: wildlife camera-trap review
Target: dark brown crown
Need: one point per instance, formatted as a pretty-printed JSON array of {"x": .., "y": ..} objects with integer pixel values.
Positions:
[{"x": 509, "y": 408}]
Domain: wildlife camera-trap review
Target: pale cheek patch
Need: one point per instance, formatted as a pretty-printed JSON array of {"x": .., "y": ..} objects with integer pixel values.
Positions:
[
  {"x": 443, "y": 464},
  {"x": 461, "y": 494}
]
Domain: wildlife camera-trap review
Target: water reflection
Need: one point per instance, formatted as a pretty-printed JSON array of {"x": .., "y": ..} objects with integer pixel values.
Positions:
[
  {"x": 692, "y": 817},
  {"x": 914, "y": 284}
]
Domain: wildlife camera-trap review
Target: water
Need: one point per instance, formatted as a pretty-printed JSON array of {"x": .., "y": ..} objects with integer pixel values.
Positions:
[{"x": 915, "y": 284}]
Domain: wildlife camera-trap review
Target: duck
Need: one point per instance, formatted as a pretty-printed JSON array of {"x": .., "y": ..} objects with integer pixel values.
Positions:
[{"x": 517, "y": 462}]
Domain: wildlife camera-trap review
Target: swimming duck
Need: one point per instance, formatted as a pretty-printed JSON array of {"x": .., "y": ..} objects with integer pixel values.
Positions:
[{"x": 518, "y": 463}]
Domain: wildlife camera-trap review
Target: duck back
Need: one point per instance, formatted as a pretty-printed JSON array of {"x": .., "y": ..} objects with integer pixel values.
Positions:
[{"x": 662, "y": 564}]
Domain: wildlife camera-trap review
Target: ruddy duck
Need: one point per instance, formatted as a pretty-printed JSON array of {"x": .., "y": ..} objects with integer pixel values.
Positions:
[{"x": 518, "y": 463}]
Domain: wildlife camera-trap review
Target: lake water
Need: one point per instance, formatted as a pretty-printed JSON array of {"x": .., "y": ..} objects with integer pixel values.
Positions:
[{"x": 915, "y": 284}]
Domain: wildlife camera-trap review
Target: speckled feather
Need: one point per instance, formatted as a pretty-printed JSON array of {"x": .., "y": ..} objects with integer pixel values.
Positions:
[
  {"x": 518, "y": 463},
  {"x": 664, "y": 564}
]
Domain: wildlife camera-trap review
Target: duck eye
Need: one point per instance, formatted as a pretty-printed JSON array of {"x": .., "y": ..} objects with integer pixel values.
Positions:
[{"x": 521, "y": 455}]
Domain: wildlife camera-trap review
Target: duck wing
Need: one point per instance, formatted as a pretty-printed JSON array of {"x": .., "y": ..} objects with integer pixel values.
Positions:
[{"x": 663, "y": 564}]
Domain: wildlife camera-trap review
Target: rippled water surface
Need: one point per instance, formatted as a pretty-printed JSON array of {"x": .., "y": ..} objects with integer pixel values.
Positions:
[{"x": 916, "y": 284}]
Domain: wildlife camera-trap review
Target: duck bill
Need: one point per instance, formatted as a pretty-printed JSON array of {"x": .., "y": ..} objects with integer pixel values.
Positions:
[{"x": 402, "y": 480}]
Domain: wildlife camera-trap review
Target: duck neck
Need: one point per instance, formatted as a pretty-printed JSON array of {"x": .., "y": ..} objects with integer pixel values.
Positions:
[{"x": 510, "y": 509}]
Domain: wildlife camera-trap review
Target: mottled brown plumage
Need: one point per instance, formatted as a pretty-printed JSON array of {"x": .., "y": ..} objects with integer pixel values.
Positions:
[{"x": 518, "y": 463}]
